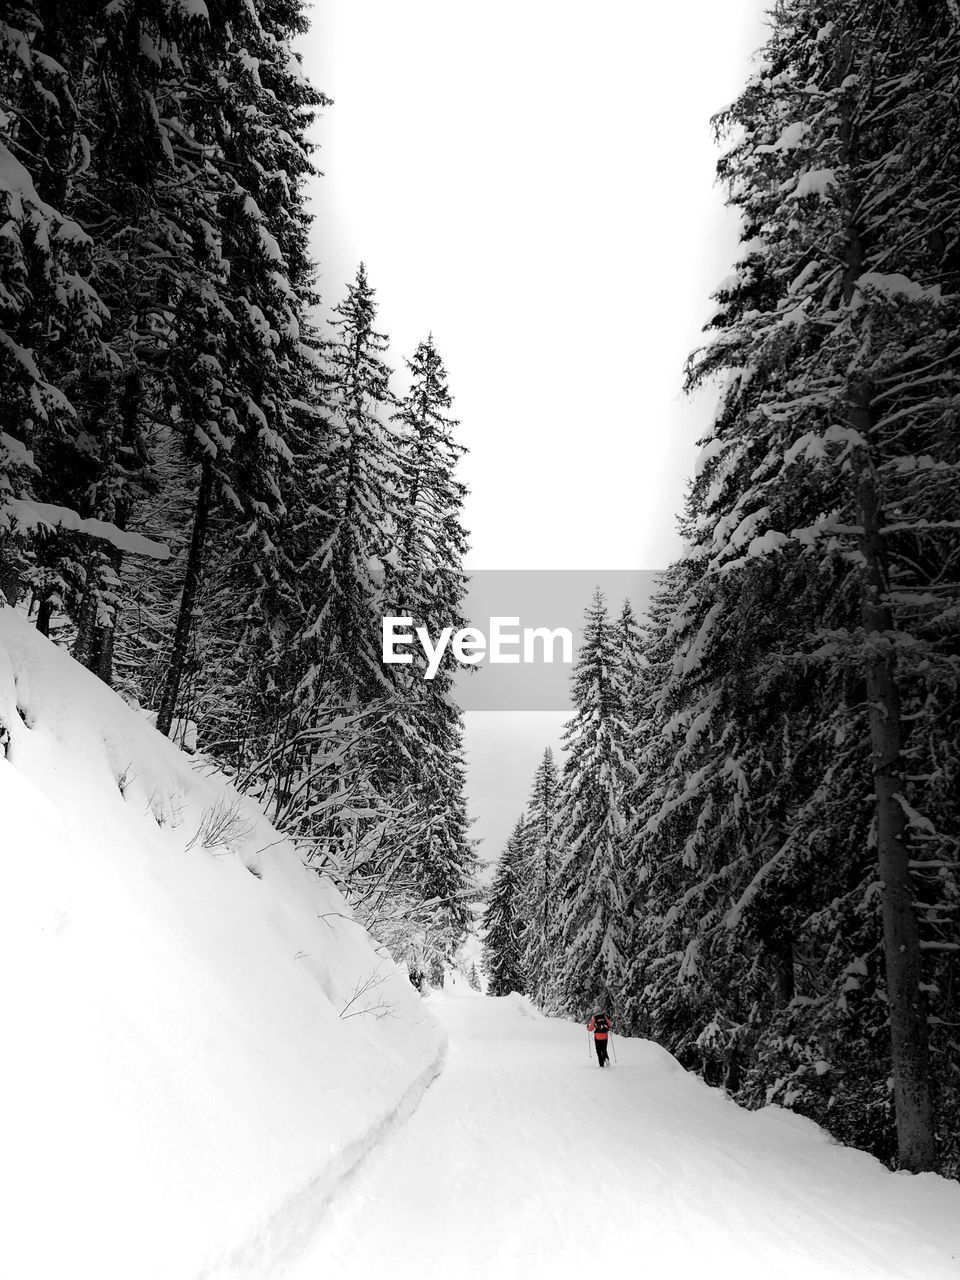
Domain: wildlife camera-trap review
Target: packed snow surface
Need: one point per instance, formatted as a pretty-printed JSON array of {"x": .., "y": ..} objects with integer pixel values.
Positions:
[
  {"x": 194, "y": 1063},
  {"x": 193, "y": 1052},
  {"x": 526, "y": 1161}
]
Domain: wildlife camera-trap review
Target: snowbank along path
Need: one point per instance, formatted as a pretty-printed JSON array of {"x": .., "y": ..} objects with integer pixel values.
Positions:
[
  {"x": 182, "y": 1078},
  {"x": 525, "y": 1159}
]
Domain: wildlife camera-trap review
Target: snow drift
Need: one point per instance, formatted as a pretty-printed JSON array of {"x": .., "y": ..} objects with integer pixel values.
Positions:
[{"x": 199, "y": 1039}]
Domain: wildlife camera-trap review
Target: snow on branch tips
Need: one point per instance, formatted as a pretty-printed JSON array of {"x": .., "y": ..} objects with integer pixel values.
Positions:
[{"x": 27, "y": 515}]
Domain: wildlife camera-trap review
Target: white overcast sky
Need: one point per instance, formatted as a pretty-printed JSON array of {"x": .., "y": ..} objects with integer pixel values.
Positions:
[{"x": 533, "y": 182}]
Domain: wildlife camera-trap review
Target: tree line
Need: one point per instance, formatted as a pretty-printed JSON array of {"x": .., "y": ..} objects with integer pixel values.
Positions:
[
  {"x": 209, "y": 493},
  {"x": 754, "y": 842}
]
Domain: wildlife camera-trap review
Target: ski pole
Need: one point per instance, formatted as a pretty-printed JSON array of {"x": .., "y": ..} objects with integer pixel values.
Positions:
[
  {"x": 613, "y": 1047},
  {"x": 589, "y": 1054}
]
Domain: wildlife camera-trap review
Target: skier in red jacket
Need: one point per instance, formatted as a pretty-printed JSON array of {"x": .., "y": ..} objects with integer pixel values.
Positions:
[{"x": 600, "y": 1025}]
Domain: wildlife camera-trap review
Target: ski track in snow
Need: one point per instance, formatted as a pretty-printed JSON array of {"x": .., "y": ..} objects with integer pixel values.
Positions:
[{"x": 526, "y": 1160}]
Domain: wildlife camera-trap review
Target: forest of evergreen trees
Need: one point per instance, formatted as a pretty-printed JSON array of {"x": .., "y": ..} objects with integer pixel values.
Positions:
[
  {"x": 751, "y": 852},
  {"x": 207, "y": 492},
  {"x": 211, "y": 495}
]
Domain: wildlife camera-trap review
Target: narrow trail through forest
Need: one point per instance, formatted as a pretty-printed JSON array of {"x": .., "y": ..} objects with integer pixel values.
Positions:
[{"x": 525, "y": 1160}]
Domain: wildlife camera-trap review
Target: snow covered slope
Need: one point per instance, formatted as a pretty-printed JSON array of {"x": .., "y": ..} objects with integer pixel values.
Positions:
[
  {"x": 183, "y": 1076},
  {"x": 525, "y": 1161}
]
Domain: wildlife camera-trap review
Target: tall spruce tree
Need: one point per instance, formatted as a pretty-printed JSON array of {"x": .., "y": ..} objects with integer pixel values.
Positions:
[
  {"x": 251, "y": 119},
  {"x": 63, "y": 352},
  {"x": 425, "y": 582},
  {"x": 592, "y": 824},
  {"x": 361, "y": 745},
  {"x": 540, "y": 902},
  {"x": 355, "y": 505},
  {"x": 790, "y": 838},
  {"x": 505, "y": 921}
]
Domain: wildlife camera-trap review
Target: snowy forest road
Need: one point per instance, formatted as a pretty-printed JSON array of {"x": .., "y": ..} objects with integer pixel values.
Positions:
[{"x": 525, "y": 1160}]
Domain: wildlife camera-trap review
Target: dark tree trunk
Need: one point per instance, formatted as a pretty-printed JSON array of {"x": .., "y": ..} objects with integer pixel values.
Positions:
[
  {"x": 780, "y": 950},
  {"x": 188, "y": 602},
  {"x": 732, "y": 1073},
  {"x": 86, "y": 622},
  {"x": 11, "y": 580},
  {"x": 44, "y": 615},
  {"x": 916, "y": 1139},
  {"x": 101, "y": 657},
  {"x": 901, "y": 936},
  {"x": 103, "y": 649}
]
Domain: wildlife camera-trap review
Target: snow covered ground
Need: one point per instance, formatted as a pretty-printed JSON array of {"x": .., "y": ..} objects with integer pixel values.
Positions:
[
  {"x": 185, "y": 1092},
  {"x": 183, "y": 1076},
  {"x": 525, "y": 1160}
]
